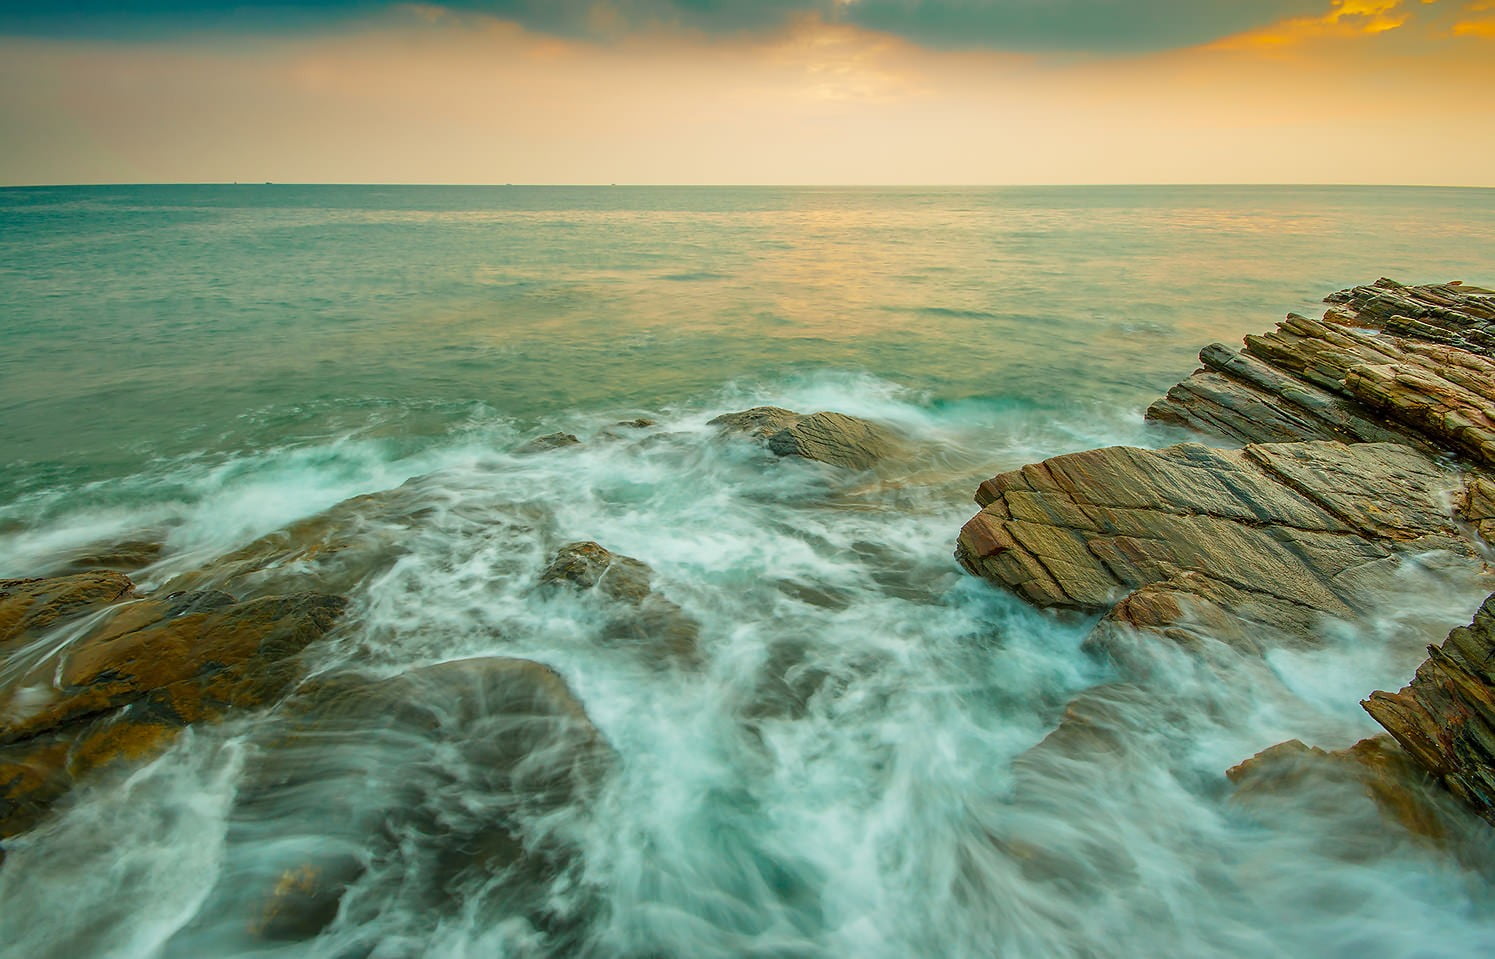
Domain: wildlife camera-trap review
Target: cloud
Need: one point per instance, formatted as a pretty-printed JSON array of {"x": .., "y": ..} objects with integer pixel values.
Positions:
[{"x": 1096, "y": 26}]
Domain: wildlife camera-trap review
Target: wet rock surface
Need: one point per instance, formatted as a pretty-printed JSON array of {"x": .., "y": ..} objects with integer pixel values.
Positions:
[
  {"x": 127, "y": 684},
  {"x": 636, "y": 614},
  {"x": 1376, "y": 767},
  {"x": 452, "y": 770},
  {"x": 550, "y": 441},
  {"x": 1367, "y": 436},
  {"x": 1445, "y": 718},
  {"x": 826, "y": 437},
  {"x": 29, "y": 607},
  {"x": 1276, "y": 533}
]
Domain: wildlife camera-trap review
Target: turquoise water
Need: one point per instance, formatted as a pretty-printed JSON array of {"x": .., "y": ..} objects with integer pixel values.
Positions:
[
  {"x": 149, "y": 321},
  {"x": 201, "y": 366}
]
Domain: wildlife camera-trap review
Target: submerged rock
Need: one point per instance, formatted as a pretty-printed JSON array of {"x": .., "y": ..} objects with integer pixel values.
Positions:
[
  {"x": 30, "y": 607},
  {"x": 1293, "y": 772},
  {"x": 550, "y": 441},
  {"x": 638, "y": 614},
  {"x": 833, "y": 438},
  {"x": 127, "y": 685},
  {"x": 1445, "y": 718},
  {"x": 445, "y": 777}
]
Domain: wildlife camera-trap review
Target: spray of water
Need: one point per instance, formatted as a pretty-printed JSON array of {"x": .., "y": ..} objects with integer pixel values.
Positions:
[{"x": 868, "y": 754}]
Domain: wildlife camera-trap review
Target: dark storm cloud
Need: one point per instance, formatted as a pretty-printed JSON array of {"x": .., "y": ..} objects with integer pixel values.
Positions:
[{"x": 1023, "y": 25}]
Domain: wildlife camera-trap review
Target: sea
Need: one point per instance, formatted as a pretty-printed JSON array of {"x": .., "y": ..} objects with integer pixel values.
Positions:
[{"x": 200, "y": 367}]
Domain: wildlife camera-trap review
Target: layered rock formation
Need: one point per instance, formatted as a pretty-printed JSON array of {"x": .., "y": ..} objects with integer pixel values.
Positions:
[
  {"x": 1367, "y": 436},
  {"x": 1445, "y": 719},
  {"x": 833, "y": 438},
  {"x": 1387, "y": 363}
]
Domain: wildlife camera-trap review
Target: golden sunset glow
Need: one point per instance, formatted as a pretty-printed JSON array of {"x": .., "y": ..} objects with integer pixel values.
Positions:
[{"x": 431, "y": 93}]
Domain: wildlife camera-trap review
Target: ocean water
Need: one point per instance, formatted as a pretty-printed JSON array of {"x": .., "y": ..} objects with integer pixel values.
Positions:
[{"x": 851, "y": 767}]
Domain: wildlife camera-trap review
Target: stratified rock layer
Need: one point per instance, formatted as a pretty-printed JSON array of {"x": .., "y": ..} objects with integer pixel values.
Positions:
[
  {"x": 1446, "y": 717},
  {"x": 1277, "y": 533},
  {"x": 1368, "y": 437},
  {"x": 1387, "y": 363}
]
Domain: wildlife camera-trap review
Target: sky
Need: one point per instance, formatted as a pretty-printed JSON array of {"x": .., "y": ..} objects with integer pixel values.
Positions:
[{"x": 749, "y": 92}]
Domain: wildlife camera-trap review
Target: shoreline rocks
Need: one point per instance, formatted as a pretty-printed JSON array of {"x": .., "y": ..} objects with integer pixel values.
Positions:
[
  {"x": 1445, "y": 718},
  {"x": 1387, "y": 363},
  {"x": 1366, "y": 440},
  {"x": 127, "y": 684},
  {"x": 635, "y": 613}
]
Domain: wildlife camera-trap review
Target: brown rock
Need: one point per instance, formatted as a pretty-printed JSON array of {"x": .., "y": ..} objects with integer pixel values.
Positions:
[
  {"x": 1388, "y": 363},
  {"x": 1445, "y": 719},
  {"x": 760, "y": 422},
  {"x": 833, "y": 438},
  {"x": 639, "y": 615},
  {"x": 29, "y": 607},
  {"x": 1377, "y": 767},
  {"x": 1292, "y": 531},
  {"x": 123, "y": 689},
  {"x": 192, "y": 656},
  {"x": 550, "y": 441}
]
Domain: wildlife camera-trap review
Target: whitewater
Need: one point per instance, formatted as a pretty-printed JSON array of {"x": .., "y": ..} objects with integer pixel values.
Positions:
[{"x": 862, "y": 759}]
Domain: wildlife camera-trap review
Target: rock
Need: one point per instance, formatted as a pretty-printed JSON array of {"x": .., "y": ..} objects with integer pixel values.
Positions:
[
  {"x": 347, "y": 545},
  {"x": 760, "y": 422},
  {"x": 1445, "y": 718},
  {"x": 125, "y": 557},
  {"x": 1477, "y": 507},
  {"x": 1377, "y": 767},
  {"x": 639, "y": 615},
  {"x": 550, "y": 441},
  {"x": 1388, "y": 363},
  {"x": 832, "y": 438},
  {"x": 1277, "y": 533},
  {"x": 30, "y": 607},
  {"x": 191, "y": 656},
  {"x": 589, "y": 565},
  {"x": 445, "y": 777},
  {"x": 642, "y": 422},
  {"x": 124, "y": 688}
]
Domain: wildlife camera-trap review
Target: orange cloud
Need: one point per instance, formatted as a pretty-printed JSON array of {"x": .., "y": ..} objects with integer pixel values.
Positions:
[
  {"x": 1349, "y": 18},
  {"x": 1484, "y": 27}
]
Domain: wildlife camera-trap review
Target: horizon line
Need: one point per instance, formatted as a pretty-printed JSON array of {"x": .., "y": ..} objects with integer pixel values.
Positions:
[{"x": 740, "y": 186}]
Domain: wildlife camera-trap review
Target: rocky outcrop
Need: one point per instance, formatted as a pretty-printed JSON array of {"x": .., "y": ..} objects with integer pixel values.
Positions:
[
  {"x": 833, "y": 438},
  {"x": 1367, "y": 440},
  {"x": 1279, "y": 535},
  {"x": 135, "y": 677},
  {"x": 550, "y": 441},
  {"x": 636, "y": 614},
  {"x": 1387, "y": 363},
  {"x": 1445, "y": 719}
]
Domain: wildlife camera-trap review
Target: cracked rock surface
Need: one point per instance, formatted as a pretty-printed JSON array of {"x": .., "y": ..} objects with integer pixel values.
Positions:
[
  {"x": 1408, "y": 364},
  {"x": 1277, "y": 533},
  {"x": 1368, "y": 447}
]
